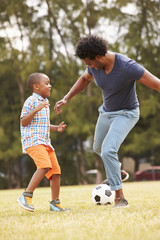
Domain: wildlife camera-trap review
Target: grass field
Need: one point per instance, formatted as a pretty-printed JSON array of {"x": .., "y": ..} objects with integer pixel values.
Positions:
[{"x": 141, "y": 221}]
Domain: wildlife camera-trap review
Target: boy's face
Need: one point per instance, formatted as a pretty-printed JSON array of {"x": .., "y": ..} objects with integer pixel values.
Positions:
[{"x": 43, "y": 88}]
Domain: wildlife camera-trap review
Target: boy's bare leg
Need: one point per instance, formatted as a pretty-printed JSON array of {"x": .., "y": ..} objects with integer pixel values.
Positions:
[
  {"x": 55, "y": 186},
  {"x": 36, "y": 179},
  {"x": 55, "y": 189},
  {"x": 25, "y": 200}
]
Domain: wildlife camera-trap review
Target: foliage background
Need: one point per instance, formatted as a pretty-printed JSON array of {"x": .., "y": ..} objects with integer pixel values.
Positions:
[{"x": 40, "y": 36}]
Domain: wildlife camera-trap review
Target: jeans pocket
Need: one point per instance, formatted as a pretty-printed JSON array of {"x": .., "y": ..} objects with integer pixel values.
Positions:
[{"x": 134, "y": 113}]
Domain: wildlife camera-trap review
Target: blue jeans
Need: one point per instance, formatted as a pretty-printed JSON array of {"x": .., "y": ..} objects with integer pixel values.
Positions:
[{"x": 111, "y": 130}]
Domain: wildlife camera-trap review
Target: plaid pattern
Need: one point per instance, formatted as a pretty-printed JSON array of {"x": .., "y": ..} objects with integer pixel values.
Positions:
[{"x": 38, "y": 131}]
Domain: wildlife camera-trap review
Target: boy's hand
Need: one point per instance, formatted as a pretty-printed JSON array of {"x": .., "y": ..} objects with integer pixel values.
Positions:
[
  {"x": 61, "y": 127},
  {"x": 28, "y": 118},
  {"x": 42, "y": 105}
]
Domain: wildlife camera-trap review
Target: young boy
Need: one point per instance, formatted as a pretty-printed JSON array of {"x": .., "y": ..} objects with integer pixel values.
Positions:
[{"x": 35, "y": 137}]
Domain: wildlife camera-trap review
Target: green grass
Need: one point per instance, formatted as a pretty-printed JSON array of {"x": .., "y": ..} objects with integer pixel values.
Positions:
[{"x": 141, "y": 221}]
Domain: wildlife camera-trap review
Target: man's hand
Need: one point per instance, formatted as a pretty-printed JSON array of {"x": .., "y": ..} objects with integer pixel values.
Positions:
[
  {"x": 61, "y": 127},
  {"x": 59, "y": 104}
]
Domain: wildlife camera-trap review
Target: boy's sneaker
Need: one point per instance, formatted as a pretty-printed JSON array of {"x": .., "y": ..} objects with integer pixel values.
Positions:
[
  {"x": 25, "y": 201},
  {"x": 55, "y": 206},
  {"x": 124, "y": 176},
  {"x": 122, "y": 203}
]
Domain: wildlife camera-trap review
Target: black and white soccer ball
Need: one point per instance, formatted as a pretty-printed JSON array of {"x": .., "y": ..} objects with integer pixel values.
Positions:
[{"x": 102, "y": 195}]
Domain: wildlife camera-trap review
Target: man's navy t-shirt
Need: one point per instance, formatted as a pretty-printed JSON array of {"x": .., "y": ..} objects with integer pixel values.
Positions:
[{"x": 119, "y": 86}]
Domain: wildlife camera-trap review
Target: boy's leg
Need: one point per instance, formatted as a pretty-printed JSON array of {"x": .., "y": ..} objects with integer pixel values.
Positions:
[
  {"x": 55, "y": 186},
  {"x": 25, "y": 200},
  {"x": 36, "y": 179},
  {"x": 40, "y": 156},
  {"x": 54, "y": 176},
  {"x": 55, "y": 189}
]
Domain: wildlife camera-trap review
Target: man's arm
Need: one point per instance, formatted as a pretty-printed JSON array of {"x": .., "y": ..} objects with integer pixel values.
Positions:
[
  {"x": 78, "y": 87},
  {"x": 150, "y": 81}
]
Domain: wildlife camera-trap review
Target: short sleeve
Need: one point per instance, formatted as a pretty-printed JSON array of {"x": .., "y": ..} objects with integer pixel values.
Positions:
[
  {"x": 133, "y": 70},
  {"x": 27, "y": 107}
]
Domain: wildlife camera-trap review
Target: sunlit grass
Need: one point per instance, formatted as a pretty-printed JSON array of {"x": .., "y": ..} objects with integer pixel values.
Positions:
[{"x": 141, "y": 221}]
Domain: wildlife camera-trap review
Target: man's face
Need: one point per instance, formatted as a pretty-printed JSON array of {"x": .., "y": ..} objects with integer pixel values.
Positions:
[{"x": 96, "y": 63}]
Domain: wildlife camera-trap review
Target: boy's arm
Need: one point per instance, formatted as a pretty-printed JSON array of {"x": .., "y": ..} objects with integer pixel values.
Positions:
[
  {"x": 58, "y": 128},
  {"x": 28, "y": 118}
]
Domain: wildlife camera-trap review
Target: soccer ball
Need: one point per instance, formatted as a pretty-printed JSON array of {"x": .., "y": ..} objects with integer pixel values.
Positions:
[{"x": 102, "y": 195}]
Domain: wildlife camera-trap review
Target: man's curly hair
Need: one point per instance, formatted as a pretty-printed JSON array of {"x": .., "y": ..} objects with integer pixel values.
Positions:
[{"x": 90, "y": 47}]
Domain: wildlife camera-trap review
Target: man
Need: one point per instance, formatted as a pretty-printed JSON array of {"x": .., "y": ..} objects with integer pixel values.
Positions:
[{"x": 116, "y": 75}]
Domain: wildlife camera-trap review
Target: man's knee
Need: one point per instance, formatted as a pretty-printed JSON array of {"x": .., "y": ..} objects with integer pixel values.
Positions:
[{"x": 108, "y": 153}]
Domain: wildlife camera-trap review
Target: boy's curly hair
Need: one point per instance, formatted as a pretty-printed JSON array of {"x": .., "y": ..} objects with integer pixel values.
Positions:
[{"x": 90, "y": 47}]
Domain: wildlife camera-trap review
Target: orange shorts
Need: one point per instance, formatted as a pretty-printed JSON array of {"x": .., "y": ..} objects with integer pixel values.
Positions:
[{"x": 44, "y": 157}]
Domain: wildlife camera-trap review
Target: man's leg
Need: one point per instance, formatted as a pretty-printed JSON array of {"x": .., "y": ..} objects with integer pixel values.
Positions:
[
  {"x": 122, "y": 123},
  {"x": 101, "y": 130},
  {"x": 124, "y": 177}
]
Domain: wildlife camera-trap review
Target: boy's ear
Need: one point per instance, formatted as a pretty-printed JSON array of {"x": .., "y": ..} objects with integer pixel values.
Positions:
[{"x": 35, "y": 86}]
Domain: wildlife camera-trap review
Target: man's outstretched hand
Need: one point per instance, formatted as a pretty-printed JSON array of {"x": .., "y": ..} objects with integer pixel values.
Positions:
[{"x": 59, "y": 104}]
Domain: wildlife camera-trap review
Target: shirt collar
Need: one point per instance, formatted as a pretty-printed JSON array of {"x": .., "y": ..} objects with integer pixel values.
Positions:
[{"x": 39, "y": 97}]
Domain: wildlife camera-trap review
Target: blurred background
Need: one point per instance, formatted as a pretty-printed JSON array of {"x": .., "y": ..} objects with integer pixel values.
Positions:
[{"x": 40, "y": 36}]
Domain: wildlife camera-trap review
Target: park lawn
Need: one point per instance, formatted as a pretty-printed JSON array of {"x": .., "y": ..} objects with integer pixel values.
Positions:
[{"x": 86, "y": 221}]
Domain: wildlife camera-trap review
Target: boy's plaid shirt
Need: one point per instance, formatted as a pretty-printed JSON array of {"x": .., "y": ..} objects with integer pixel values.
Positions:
[{"x": 38, "y": 131}]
